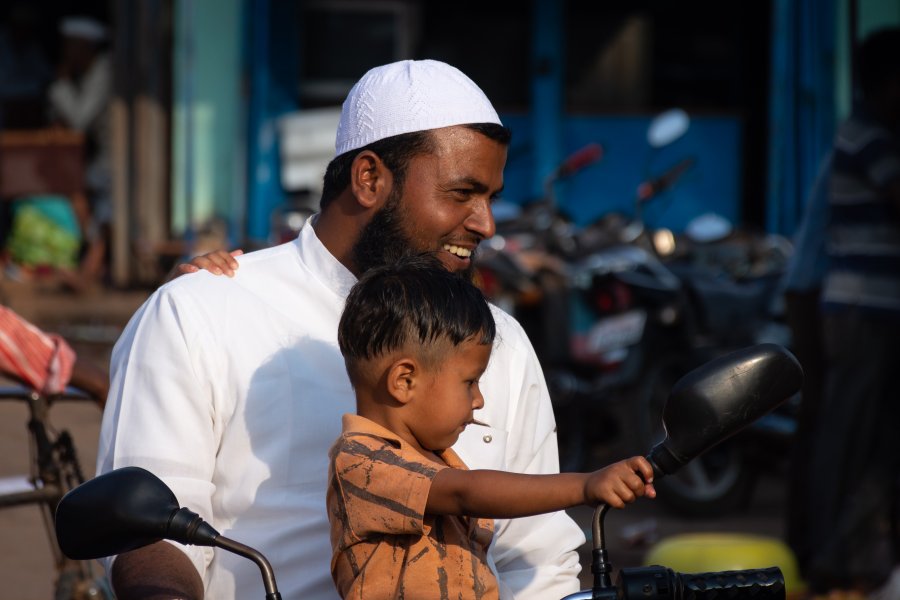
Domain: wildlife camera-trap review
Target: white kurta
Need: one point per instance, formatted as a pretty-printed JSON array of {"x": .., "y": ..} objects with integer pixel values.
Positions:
[{"x": 231, "y": 390}]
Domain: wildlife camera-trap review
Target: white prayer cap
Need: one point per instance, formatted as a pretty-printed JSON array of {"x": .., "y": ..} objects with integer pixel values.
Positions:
[
  {"x": 407, "y": 96},
  {"x": 85, "y": 28}
]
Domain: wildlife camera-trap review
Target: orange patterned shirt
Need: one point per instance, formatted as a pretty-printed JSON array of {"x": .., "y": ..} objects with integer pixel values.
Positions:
[{"x": 384, "y": 544}]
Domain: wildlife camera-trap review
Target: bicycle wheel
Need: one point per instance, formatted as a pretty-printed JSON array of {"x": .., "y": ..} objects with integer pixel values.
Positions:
[{"x": 77, "y": 581}]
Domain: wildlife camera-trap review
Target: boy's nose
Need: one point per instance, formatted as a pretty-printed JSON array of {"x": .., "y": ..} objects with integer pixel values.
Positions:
[{"x": 478, "y": 400}]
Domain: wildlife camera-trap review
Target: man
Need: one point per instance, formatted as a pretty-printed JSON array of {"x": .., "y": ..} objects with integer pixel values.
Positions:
[
  {"x": 79, "y": 99},
  {"x": 802, "y": 286},
  {"x": 231, "y": 389},
  {"x": 856, "y": 451}
]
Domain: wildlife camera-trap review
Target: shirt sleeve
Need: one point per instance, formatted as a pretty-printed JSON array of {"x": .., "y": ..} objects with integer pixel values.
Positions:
[
  {"x": 881, "y": 160},
  {"x": 535, "y": 557},
  {"x": 80, "y": 105},
  {"x": 159, "y": 414},
  {"x": 382, "y": 490}
]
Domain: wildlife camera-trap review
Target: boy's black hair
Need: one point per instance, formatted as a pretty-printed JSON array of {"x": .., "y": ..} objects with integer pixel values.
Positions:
[
  {"x": 412, "y": 300},
  {"x": 396, "y": 152}
]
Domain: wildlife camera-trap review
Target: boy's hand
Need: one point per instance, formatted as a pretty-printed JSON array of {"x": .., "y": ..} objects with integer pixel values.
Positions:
[
  {"x": 217, "y": 262},
  {"x": 620, "y": 483}
]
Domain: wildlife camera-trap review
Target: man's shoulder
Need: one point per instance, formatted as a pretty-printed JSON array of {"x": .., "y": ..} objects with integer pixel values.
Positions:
[
  {"x": 258, "y": 265},
  {"x": 510, "y": 334}
]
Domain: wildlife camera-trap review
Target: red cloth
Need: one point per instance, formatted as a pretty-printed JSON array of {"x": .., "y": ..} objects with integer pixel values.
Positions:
[{"x": 43, "y": 361}]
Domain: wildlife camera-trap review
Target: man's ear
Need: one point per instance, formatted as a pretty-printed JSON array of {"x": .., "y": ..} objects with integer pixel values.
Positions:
[
  {"x": 402, "y": 379},
  {"x": 370, "y": 179}
]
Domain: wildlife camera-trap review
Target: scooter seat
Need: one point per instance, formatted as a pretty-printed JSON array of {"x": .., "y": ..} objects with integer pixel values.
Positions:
[{"x": 707, "y": 552}]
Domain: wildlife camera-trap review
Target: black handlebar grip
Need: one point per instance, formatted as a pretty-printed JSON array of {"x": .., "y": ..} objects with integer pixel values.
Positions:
[
  {"x": 663, "y": 583},
  {"x": 759, "y": 584}
]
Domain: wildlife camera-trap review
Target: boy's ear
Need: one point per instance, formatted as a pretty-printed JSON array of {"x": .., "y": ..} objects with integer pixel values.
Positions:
[
  {"x": 402, "y": 379},
  {"x": 370, "y": 179}
]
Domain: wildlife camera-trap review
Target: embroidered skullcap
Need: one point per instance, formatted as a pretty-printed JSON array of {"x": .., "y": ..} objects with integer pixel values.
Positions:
[
  {"x": 407, "y": 96},
  {"x": 85, "y": 28}
]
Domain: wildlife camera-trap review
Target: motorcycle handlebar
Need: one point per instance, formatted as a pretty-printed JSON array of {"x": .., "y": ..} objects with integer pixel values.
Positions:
[
  {"x": 580, "y": 159},
  {"x": 661, "y": 583},
  {"x": 650, "y": 189}
]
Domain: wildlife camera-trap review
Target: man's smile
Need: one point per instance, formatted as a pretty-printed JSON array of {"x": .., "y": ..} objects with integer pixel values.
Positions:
[{"x": 459, "y": 251}]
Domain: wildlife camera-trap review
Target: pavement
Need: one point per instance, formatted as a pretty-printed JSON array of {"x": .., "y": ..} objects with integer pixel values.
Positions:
[{"x": 92, "y": 320}]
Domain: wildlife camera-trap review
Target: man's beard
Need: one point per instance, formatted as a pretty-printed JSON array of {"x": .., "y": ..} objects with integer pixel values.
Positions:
[{"x": 383, "y": 240}]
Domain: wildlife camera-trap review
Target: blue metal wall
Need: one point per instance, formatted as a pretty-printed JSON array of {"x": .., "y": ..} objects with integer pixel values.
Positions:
[{"x": 713, "y": 184}]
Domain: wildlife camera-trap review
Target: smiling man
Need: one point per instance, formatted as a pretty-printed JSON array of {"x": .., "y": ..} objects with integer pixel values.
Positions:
[{"x": 231, "y": 389}]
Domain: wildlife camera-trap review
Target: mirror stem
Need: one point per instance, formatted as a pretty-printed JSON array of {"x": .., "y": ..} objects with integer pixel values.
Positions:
[
  {"x": 600, "y": 565},
  {"x": 265, "y": 568}
]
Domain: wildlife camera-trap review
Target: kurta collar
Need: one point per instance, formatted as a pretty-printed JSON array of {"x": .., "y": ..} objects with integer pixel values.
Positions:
[{"x": 334, "y": 274}]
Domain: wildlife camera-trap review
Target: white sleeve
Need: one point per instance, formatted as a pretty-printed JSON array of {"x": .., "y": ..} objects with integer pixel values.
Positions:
[
  {"x": 160, "y": 414},
  {"x": 81, "y": 106},
  {"x": 536, "y": 557}
]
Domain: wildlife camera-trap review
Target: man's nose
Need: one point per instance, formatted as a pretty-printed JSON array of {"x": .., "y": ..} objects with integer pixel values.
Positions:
[{"x": 481, "y": 220}]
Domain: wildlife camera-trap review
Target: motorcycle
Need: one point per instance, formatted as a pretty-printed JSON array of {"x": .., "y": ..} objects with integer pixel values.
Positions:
[
  {"x": 726, "y": 296},
  {"x": 639, "y": 308},
  {"x": 129, "y": 507},
  {"x": 597, "y": 306}
]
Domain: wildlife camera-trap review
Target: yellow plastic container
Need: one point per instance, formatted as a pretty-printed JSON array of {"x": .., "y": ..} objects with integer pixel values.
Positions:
[{"x": 706, "y": 552}]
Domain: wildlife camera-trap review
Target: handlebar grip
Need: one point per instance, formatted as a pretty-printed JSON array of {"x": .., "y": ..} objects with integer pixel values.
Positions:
[
  {"x": 759, "y": 584},
  {"x": 661, "y": 582}
]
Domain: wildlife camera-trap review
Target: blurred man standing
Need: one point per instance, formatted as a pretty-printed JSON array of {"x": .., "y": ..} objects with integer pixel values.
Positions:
[
  {"x": 79, "y": 99},
  {"x": 854, "y": 482}
]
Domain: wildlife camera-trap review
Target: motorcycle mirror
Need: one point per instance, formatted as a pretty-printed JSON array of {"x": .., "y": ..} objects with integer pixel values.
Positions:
[
  {"x": 123, "y": 510},
  {"x": 720, "y": 398},
  {"x": 667, "y": 127},
  {"x": 129, "y": 508}
]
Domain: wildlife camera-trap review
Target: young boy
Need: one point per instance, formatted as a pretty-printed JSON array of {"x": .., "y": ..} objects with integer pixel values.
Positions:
[{"x": 407, "y": 518}]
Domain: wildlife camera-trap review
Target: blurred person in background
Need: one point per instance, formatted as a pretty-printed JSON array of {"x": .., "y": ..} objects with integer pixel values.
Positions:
[
  {"x": 79, "y": 99},
  {"x": 25, "y": 73},
  {"x": 856, "y": 448},
  {"x": 802, "y": 284},
  {"x": 25, "y": 70}
]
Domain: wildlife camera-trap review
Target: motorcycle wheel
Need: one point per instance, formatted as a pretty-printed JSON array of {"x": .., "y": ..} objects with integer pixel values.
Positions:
[{"x": 715, "y": 483}]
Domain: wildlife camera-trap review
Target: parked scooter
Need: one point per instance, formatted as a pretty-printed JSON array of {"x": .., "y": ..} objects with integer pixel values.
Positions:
[
  {"x": 729, "y": 290},
  {"x": 130, "y": 507},
  {"x": 597, "y": 302},
  {"x": 650, "y": 306}
]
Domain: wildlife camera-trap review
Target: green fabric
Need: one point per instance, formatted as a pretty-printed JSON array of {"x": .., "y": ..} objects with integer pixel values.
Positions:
[{"x": 44, "y": 232}]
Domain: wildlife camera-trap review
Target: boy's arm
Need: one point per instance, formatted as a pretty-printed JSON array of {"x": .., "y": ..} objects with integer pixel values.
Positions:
[{"x": 502, "y": 495}]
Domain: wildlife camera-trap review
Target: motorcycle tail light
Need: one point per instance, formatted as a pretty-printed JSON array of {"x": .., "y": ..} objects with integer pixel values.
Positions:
[
  {"x": 486, "y": 280},
  {"x": 610, "y": 296}
]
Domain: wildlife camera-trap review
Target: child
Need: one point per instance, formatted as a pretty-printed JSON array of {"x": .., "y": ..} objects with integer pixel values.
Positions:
[{"x": 407, "y": 518}]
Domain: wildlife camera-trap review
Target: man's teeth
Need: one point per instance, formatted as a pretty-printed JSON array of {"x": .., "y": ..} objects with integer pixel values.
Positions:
[{"x": 460, "y": 252}]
